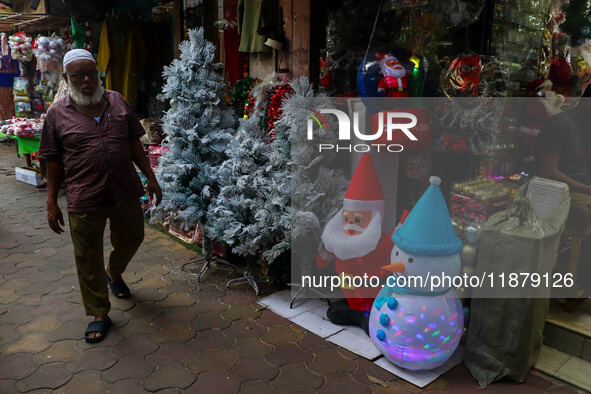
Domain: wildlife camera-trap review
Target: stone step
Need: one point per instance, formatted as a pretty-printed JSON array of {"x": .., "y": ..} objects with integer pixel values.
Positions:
[
  {"x": 566, "y": 353},
  {"x": 570, "y": 369},
  {"x": 569, "y": 332}
]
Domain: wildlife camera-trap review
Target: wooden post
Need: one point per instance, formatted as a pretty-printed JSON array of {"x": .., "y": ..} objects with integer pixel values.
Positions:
[
  {"x": 178, "y": 26},
  {"x": 300, "y": 43}
]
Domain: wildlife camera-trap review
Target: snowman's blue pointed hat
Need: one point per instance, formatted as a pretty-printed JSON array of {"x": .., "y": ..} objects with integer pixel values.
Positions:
[{"x": 428, "y": 231}]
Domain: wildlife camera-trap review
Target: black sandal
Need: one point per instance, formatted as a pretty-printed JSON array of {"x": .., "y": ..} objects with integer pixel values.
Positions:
[
  {"x": 100, "y": 326},
  {"x": 118, "y": 287}
]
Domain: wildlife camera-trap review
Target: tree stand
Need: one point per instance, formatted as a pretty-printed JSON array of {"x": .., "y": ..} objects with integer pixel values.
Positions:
[
  {"x": 305, "y": 290},
  {"x": 210, "y": 260},
  {"x": 248, "y": 277}
]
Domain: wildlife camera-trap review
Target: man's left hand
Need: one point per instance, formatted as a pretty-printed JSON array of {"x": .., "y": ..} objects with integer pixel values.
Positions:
[{"x": 154, "y": 190}]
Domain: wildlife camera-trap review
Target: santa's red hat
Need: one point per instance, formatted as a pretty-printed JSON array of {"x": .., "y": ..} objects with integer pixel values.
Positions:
[
  {"x": 381, "y": 56},
  {"x": 535, "y": 86},
  {"x": 559, "y": 74},
  {"x": 364, "y": 192}
]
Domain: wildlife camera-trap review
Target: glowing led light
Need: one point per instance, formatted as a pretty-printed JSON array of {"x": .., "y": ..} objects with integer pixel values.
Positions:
[
  {"x": 398, "y": 333},
  {"x": 446, "y": 339},
  {"x": 423, "y": 308},
  {"x": 426, "y": 347},
  {"x": 436, "y": 332},
  {"x": 419, "y": 336},
  {"x": 432, "y": 325},
  {"x": 426, "y": 329},
  {"x": 423, "y": 316},
  {"x": 411, "y": 319}
]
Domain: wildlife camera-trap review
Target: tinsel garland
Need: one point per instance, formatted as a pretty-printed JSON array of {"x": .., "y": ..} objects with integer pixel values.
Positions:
[{"x": 274, "y": 110}]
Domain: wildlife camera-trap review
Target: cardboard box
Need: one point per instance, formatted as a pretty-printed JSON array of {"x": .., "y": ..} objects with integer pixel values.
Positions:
[{"x": 28, "y": 176}]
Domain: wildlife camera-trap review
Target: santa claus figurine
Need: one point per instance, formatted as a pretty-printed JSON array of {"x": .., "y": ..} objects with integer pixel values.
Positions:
[
  {"x": 354, "y": 239},
  {"x": 395, "y": 77}
]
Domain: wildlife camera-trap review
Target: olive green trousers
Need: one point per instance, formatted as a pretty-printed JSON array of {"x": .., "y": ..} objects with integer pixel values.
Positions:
[{"x": 126, "y": 223}]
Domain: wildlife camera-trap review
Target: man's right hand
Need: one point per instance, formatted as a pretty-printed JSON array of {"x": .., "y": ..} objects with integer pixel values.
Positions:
[{"x": 55, "y": 218}]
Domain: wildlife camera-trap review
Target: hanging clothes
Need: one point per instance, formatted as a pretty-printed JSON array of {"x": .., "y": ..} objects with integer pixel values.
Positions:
[
  {"x": 254, "y": 16},
  {"x": 121, "y": 57}
]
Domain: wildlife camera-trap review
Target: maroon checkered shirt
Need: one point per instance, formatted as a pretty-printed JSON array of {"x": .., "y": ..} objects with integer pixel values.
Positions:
[{"x": 98, "y": 169}]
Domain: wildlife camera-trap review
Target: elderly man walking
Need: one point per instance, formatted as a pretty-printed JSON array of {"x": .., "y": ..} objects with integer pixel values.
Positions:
[{"x": 90, "y": 139}]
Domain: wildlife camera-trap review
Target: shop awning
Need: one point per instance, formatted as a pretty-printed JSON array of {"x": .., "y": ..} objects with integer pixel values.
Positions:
[{"x": 30, "y": 22}]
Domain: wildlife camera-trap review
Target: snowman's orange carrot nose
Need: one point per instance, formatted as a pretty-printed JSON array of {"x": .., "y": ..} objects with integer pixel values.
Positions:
[{"x": 396, "y": 267}]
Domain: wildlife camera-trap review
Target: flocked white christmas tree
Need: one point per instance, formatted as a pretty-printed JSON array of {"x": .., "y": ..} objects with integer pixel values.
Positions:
[
  {"x": 308, "y": 180},
  {"x": 199, "y": 128},
  {"x": 273, "y": 186}
]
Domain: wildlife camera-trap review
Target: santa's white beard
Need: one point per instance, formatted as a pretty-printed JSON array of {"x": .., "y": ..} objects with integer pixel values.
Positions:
[
  {"x": 83, "y": 100},
  {"x": 553, "y": 101},
  {"x": 393, "y": 72},
  {"x": 346, "y": 246}
]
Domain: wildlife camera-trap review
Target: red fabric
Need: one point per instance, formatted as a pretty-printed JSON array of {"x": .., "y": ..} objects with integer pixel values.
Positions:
[
  {"x": 232, "y": 61},
  {"x": 97, "y": 160},
  {"x": 364, "y": 185},
  {"x": 559, "y": 74},
  {"x": 392, "y": 86},
  {"x": 361, "y": 298}
]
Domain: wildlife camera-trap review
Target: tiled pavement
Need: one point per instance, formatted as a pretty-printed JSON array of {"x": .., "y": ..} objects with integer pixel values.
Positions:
[{"x": 173, "y": 335}]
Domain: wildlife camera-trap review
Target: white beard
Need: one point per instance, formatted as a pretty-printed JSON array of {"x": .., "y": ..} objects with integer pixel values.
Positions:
[
  {"x": 553, "y": 102},
  {"x": 392, "y": 72},
  {"x": 345, "y": 246},
  {"x": 83, "y": 100}
]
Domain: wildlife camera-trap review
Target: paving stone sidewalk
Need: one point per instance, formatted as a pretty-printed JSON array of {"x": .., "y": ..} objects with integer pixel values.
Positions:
[{"x": 174, "y": 335}]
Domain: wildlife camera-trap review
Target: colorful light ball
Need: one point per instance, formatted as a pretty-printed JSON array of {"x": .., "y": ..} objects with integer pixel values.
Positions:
[{"x": 421, "y": 332}]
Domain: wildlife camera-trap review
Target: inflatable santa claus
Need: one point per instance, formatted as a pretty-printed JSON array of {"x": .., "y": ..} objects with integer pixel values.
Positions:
[
  {"x": 354, "y": 238},
  {"x": 394, "y": 82}
]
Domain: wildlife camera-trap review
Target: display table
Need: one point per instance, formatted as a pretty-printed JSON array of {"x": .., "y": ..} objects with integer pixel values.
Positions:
[{"x": 25, "y": 144}]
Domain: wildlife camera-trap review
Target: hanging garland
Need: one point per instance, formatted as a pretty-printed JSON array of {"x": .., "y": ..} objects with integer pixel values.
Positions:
[{"x": 275, "y": 110}]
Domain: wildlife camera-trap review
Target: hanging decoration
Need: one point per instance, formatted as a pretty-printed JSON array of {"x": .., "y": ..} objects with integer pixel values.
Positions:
[
  {"x": 78, "y": 34},
  {"x": 473, "y": 75},
  {"x": 275, "y": 106},
  {"x": 21, "y": 46},
  {"x": 374, "y": 67},
  {"x": 49, "y": 52}
]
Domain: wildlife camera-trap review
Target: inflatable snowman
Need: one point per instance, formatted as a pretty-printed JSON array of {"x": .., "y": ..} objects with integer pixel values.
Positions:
[{"x": 416, "y": 321}]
